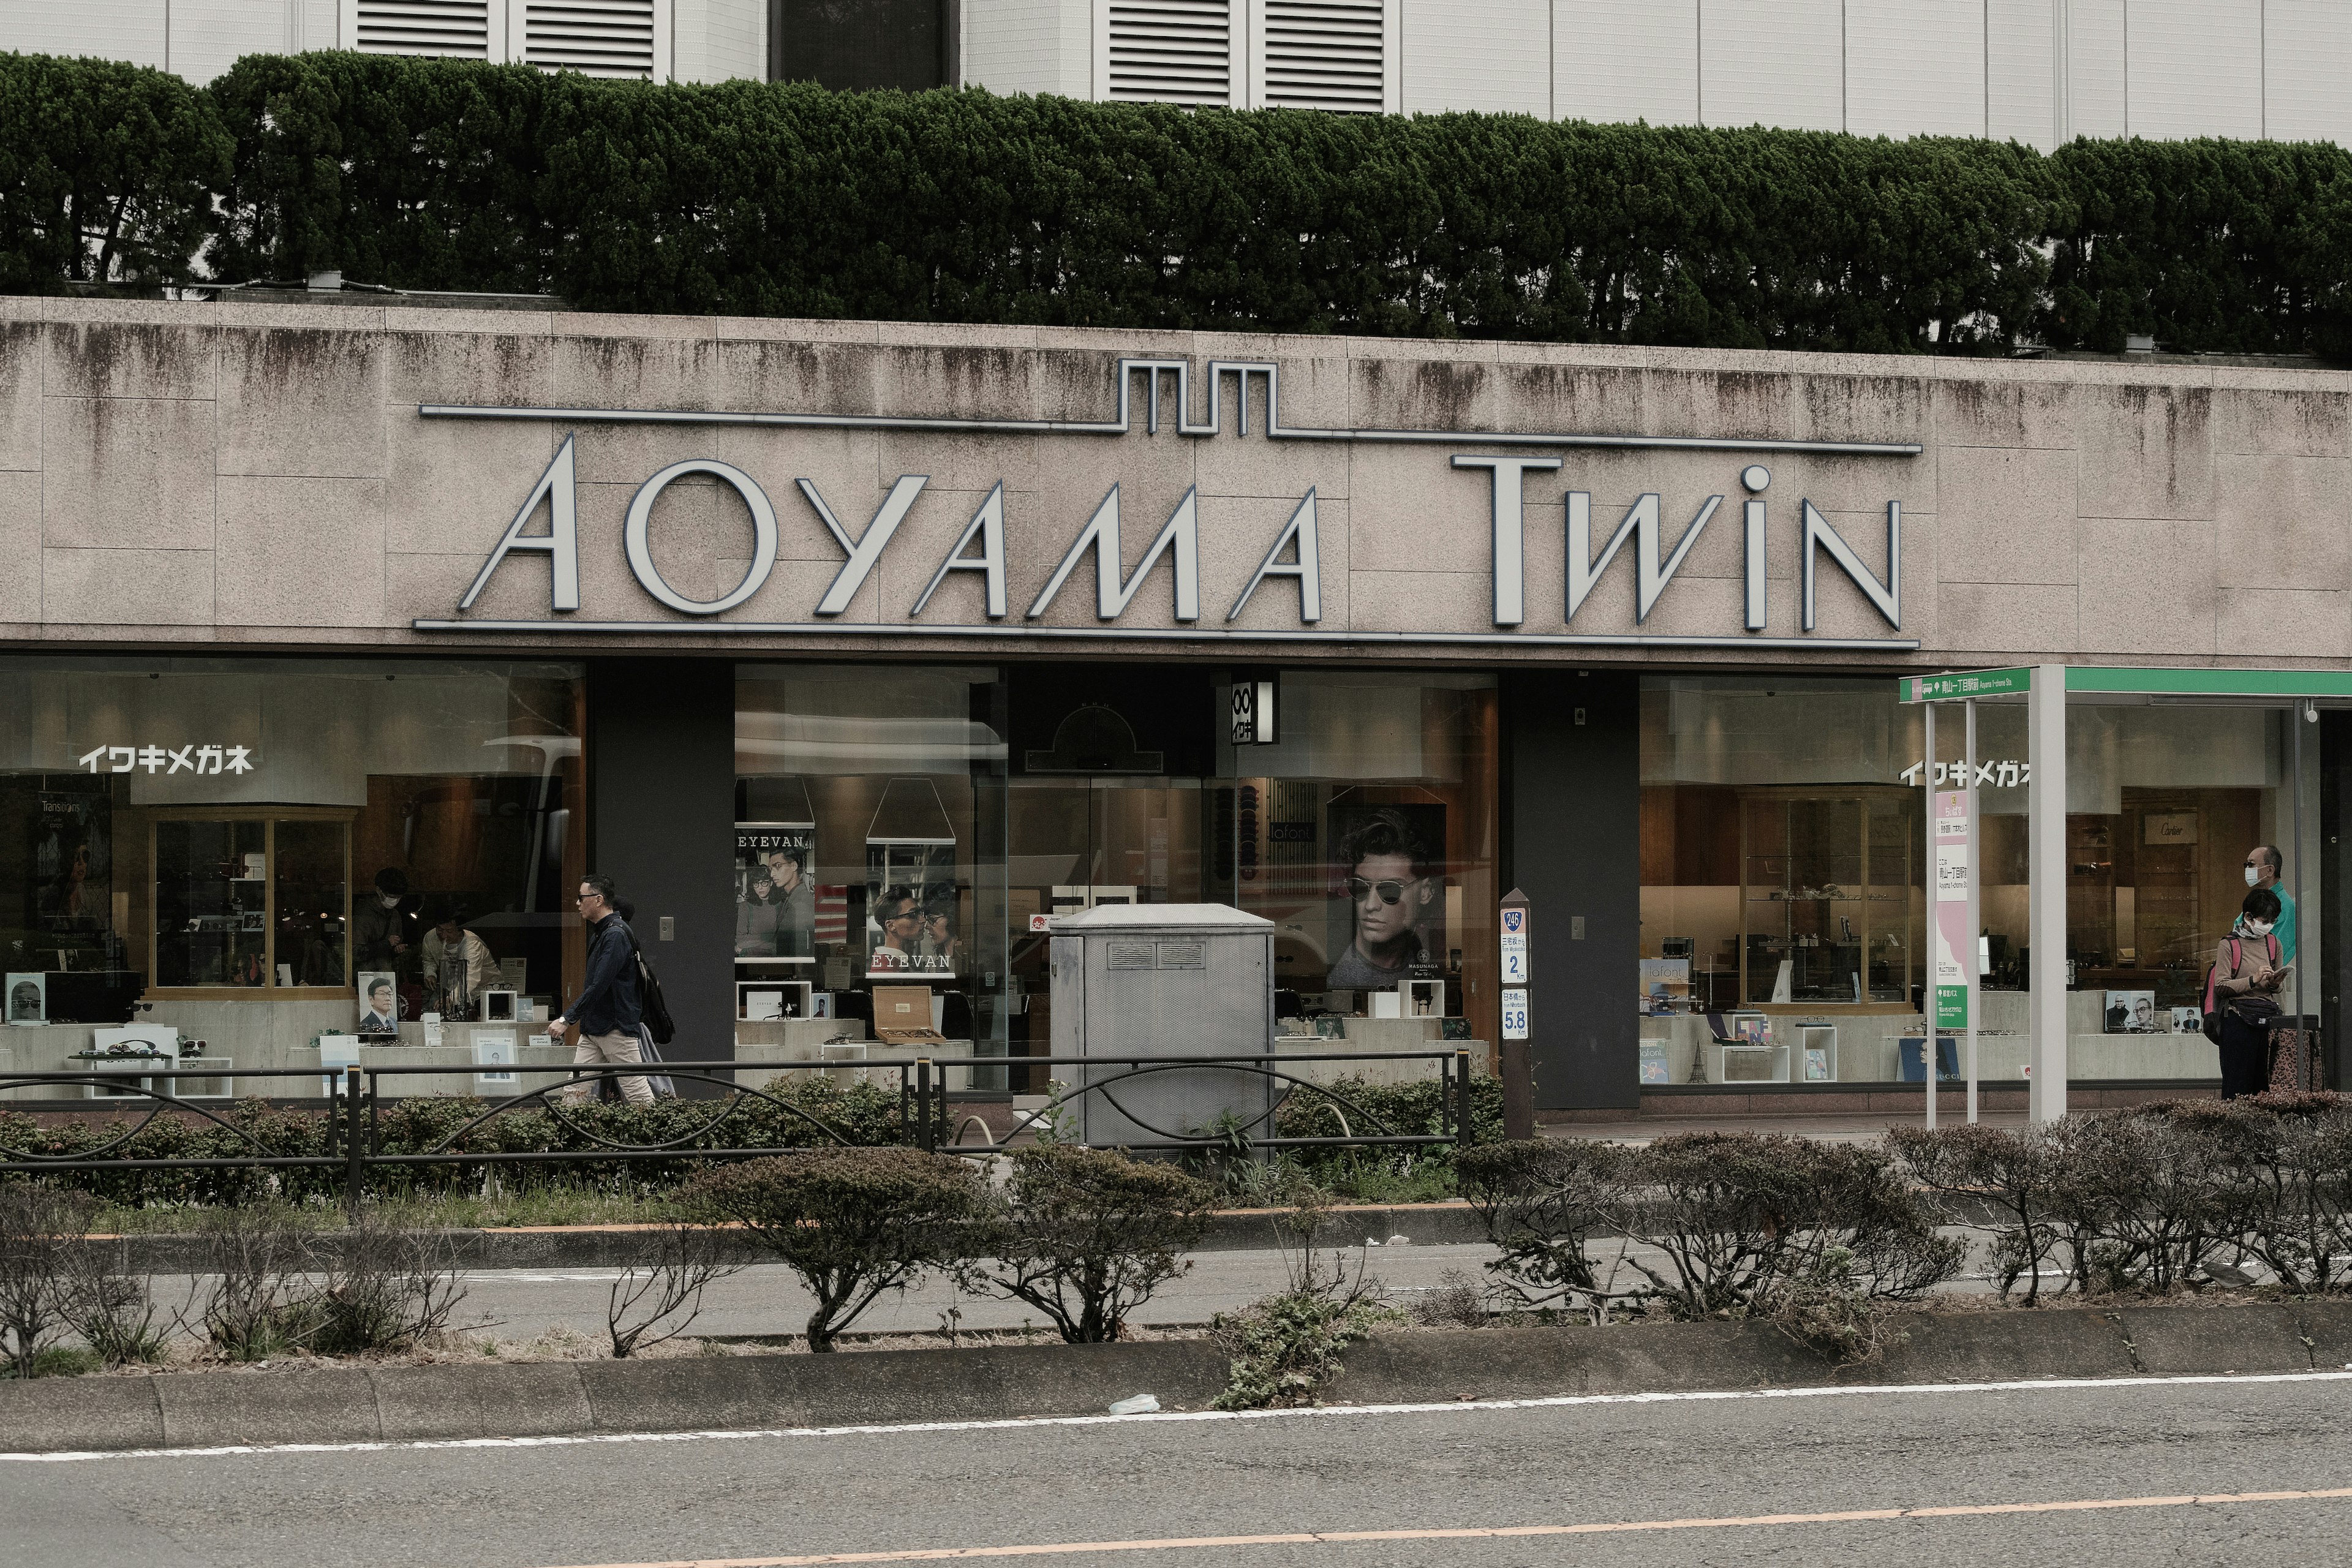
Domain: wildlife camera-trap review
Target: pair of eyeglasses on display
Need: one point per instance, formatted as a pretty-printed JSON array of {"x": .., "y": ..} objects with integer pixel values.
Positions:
[{"x": 1390, "y": 891}]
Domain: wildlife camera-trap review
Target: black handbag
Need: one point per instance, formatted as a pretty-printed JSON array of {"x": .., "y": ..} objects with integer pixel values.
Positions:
[{"x": 651, "y": 1008}]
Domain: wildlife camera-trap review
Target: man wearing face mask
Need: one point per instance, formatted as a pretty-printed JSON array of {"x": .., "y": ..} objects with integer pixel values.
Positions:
[
  {"x": 381, "y": 937},
  {"x": 2264, "y": 866}
]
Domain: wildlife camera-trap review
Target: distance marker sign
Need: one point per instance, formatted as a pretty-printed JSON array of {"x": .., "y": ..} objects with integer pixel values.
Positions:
[
  {"x": 1514, "y": 1013},
  {"x": 1515, "y": 948}
]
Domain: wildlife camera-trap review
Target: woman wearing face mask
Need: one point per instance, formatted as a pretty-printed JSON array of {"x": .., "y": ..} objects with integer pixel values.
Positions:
[{"x": 2247, "y": 974}]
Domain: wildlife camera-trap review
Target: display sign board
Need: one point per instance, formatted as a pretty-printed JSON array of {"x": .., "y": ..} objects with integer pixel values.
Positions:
[
  {"x": 1514, "y": 1013},
  {"x": 1515, "y": 947},
  {"x": 1952, "y": 943}
]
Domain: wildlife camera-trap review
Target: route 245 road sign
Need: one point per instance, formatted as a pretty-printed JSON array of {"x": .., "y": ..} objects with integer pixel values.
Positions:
[{"x": 1515, "y": 947}]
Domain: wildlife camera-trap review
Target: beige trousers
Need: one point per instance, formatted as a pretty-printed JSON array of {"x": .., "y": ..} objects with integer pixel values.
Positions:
[{"x": 613, "y": 1047}]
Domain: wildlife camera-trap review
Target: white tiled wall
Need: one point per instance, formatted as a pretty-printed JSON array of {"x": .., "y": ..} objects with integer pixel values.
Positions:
[
  {"x": 1914, "y": 67},
  {"x": 2034, "y": 71},
  {"x": 1613, "y": 62},
  {"x": 1772, "y": 62},
  {"x": 2196, "y": 67},
  {"x": 1492, "y": 55}
]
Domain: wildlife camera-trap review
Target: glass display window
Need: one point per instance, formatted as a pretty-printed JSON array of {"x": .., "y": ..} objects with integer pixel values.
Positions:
[
  {"x": 211, "y": 836},
  {"x": 250, "y": 903},
  {"x": 870, "y": 842}
]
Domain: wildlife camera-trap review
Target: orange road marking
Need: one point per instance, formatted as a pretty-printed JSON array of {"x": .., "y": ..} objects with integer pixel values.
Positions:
[{"x": 1493, "y": 1532}]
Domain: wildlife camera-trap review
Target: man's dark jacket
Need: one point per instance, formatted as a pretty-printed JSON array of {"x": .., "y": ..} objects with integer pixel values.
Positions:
[{"x": 607, "y": 1004}]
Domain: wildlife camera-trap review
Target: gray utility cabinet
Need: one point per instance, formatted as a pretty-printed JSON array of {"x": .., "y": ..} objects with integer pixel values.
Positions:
[{"x": 1163, "y": 980}]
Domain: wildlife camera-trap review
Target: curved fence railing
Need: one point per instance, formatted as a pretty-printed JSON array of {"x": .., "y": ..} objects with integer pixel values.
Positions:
[{"x": 354, "y": 1140}]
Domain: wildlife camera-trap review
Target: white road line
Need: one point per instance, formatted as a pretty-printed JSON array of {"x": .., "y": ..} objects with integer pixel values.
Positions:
[{"x": 1319, "y": 1412}]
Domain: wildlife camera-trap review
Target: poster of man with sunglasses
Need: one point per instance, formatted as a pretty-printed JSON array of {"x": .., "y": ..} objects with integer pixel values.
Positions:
[{"x": 1388, "y": 862}]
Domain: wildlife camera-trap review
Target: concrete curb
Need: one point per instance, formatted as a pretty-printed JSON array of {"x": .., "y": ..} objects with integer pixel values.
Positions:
[
  {"x": 346, "y": 1405},
  {"x": 610, "y": 1246}
]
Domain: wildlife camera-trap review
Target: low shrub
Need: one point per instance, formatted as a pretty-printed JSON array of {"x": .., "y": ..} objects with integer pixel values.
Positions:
[
  {"x": 1398, "y": 1109},
  {"x": 852, "y": 1223},
  {"x": 1086, "y": 1236},
  {"x": 41, "y": 1229},
  {"x": 1543, "y": 1201}
]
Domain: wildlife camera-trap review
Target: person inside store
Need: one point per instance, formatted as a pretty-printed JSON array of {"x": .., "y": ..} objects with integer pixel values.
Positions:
[
  {"x": 607, "y": 1010},
  {"x": 795, "y": 900},
  {"x": 2263, "y": 868},
  {"x": 1390, "y": 882},
  {"x": 756, "y": 916},
  {"x": 381, "y": 933},
  {"x": 2248, "y": 969},
  {"x": 447, "y": 945}
]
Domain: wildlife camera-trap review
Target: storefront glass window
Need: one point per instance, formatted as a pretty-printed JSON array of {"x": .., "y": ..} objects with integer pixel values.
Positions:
[
  {"x": 2165, "y": 807},
  {"x": 240, "y": 845},
  {"x": 1366, "y": 831},
  {"x": 869, "y": 852},
  {"x": 1780, "y": 881}
]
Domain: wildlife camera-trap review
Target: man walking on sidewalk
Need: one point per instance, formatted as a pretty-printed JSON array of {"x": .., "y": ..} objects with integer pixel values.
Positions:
[{"x": 606, "y": 1007}]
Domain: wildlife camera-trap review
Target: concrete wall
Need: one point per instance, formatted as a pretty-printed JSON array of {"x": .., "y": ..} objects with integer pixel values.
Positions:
[{"x": 250, "y": 476}]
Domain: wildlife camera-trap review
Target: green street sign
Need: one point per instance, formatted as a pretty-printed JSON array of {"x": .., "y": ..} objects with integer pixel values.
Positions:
[{"x": 1966, "y": 683}]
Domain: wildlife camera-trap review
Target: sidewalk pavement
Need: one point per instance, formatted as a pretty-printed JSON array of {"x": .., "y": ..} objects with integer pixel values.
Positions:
[{"x": 1858, "y": 1127}]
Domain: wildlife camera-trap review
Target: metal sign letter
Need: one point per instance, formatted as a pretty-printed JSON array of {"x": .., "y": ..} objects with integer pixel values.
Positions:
[
  {"x": 1510, "y": 509},
  {"x": 988, "y": 524},
  {"x": 862, "y": 552},
  {"x": 1307, "y": 567},
  {"x": 1889, "y": 598},
  {"x": 562, "y": 540},
  {"x": 1181, "y": 538},
  {"x": 636, "y": 528}
]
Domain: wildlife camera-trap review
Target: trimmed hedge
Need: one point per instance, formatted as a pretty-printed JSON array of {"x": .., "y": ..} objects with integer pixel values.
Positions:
[
  {"x": 864, "y": 1114},
  {"x": 758, "y": 199},
  {"x": 106, "y": 173}
]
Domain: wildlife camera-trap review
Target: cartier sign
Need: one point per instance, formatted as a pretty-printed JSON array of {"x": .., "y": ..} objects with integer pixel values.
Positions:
[{"x": 1514, "y": 465}]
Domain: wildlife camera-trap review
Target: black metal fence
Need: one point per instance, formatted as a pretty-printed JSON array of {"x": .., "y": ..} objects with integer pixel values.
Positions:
[{"x": 354, "y": 1143}]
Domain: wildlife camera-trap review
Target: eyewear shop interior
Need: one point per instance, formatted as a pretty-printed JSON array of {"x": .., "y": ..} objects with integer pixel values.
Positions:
[
  {"x": 1782, "y": 893},
  {"x": 248, "y": 864}
]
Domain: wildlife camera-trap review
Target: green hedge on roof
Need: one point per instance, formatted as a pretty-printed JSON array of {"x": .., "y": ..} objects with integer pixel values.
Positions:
[{"x": 748, "y": 198}]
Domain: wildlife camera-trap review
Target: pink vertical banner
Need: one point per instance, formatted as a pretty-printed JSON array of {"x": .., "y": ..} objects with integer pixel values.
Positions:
[{"x": 1950, "y": 917}]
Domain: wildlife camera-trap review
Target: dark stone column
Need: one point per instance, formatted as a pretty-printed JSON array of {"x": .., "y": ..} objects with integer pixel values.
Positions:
[
  {"x": 661, "y": 816},
  {"x": 1572, "y": 773}
]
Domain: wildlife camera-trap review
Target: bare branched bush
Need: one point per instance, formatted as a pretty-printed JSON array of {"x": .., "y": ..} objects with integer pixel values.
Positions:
[
  {"x": 42, "y": 1229},
  {"x": 2014, "y": 1174},
  {"x": 1546, "y": 1205},
  {"x": 115, "y": 1313},
  {"x": 1086, "y": 1236},
  {"x": 1457, "y": 1301},
  {"x": 393, "y": 1284},
  {"x": 258, "y": 1299},
  {"x": 659, "y": 1292}
]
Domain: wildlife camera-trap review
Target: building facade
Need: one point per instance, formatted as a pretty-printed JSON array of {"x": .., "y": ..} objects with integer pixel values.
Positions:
[
  {"x": 856, "y": 651},
  {"x": 2041, "y": 72}
]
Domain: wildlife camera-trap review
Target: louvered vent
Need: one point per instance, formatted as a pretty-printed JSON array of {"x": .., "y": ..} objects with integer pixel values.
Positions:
[
  {"x": 1324, "y": 54},
  {"x": 597, "y": 38},
  {"x": 1171, "y": 51},
  {"x": 456, "y": 29}
]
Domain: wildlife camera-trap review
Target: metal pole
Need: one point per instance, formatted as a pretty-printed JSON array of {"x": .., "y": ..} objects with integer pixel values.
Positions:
[
  {"x": 1927, "y": 905},
  {"x": 1969, "y": 961},
  {"x": 352, "y": 1153},
  {"x": 1465, "y": 1135},
  {"x": 923, "y": 1103},
  {"x": 2295, "y": 838},
  {"x": 2045, "y": 754}
]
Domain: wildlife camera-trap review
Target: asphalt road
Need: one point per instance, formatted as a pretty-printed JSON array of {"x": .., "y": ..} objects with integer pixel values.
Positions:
[{"x": 1656, "y": 1464}]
